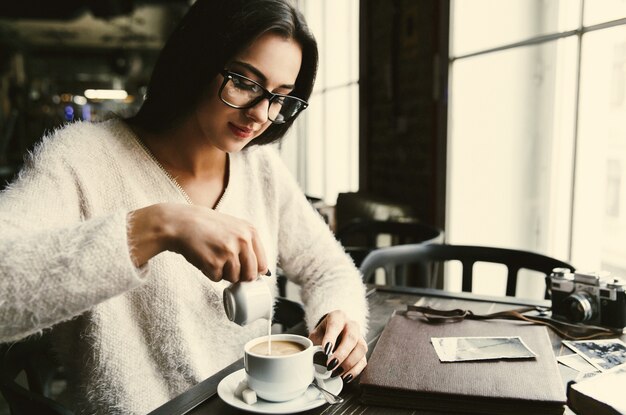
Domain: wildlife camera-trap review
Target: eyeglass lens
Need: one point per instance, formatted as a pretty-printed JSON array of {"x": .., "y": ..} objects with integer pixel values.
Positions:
[{"x": 244, "y": 93}]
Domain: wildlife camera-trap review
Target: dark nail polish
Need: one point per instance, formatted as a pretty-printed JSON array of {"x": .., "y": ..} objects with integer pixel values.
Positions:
[
  {"x": 333, "y": 364},
  {"x": 337, "y": 372},
  {"x": 348, "y": 378},
  {"x": 328, "y": 348},
  {"x": 268, "y": 273}
]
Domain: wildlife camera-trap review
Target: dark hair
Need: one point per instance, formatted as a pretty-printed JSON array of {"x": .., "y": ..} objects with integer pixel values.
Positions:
[{"x": 209, "y": 35}]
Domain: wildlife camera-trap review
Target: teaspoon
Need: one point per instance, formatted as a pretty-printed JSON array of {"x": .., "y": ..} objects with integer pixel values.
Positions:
[{"x": 330, "y": 397}]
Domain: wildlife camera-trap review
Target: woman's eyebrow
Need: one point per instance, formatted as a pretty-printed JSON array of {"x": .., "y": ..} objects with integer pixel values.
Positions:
[{"x": 260, "y": 74}]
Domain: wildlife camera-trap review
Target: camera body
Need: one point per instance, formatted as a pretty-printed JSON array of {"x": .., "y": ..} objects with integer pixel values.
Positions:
[{"x": 587, "y": 298}]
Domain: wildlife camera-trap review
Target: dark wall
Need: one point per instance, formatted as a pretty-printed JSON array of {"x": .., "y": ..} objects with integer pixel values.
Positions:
[{"x": 402, "y": 85}]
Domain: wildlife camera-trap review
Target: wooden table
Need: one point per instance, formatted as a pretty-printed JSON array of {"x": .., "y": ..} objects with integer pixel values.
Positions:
[{"x": 202, "y": 399}]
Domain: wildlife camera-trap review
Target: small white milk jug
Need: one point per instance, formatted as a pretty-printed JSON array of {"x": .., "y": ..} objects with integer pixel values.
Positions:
[{"x": 247, "y": 301}]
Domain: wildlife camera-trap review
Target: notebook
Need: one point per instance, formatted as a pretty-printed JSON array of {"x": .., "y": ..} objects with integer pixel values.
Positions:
[{"x": 404, "y": 371}]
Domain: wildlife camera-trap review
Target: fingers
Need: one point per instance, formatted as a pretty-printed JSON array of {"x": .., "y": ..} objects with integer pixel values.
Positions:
[
  {"x": 249, "y": 266},
  {"x": 317, "y": 336},
  {"x": 259, "y": 254},
  {"x": 348, "y": 343},
  {"x": 231, "y": 271},
  {"x": 332, "y": 327},
  {"x": 349, "y": 375},
  {"x": 220, "y": 245},
  {"x": 354, "y": 363},
  {"x": 209, "y": 269},
  {"x": 343, "y": 344}
]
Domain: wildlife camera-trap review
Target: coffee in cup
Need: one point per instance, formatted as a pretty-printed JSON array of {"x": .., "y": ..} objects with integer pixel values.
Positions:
[
  {"x": 287, "y": 372},
  {"x": 277, "y": 348}
]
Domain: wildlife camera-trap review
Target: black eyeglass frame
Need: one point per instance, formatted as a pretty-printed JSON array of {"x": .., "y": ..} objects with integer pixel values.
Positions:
[{"x": 228, "y": 75}]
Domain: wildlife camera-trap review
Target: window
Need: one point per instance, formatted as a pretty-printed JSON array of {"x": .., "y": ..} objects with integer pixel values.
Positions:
[
  {"x": 599, "y": 225},
  {"x": 537, "y": 141},
  {"x": 322, "y": 150}
]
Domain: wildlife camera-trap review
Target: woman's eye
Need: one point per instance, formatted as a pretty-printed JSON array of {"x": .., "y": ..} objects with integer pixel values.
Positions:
[{"x": 247, "y": 85}]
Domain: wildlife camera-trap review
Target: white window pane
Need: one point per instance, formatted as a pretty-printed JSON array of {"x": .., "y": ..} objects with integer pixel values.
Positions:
[
  {"x": 510, "y": 150},
  {"x": 353, "y": 47},
  {"x": 331, "y": 143},
  {"x": 453, "y": 271},
  {"x": 604, "y": 11},
  {"x": 338, "y": 134},
  {"x": 484, "y": 24},
  {"x": 530, "y": 284},
  {"x": 339, "y": 34},
  {"x": 599, "y": 240},
  {"x": 313, "y": 11},
  {"x": 315, "y": 144},
  {"x": 353, "y": 112},
  {"x": 489, "y": 279}
]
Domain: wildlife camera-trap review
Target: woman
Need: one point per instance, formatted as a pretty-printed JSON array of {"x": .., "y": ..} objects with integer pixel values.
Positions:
[{"x": 124, "y": 234}]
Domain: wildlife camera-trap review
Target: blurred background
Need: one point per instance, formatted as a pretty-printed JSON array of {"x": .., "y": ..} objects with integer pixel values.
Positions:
[{"x": 500, "y": 122}]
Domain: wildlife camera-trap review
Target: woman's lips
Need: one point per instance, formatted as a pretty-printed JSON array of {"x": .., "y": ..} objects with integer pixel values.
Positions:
[{"x": 241, "y": 132}]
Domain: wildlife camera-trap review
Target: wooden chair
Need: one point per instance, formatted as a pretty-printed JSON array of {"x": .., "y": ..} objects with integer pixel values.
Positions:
[
  {"x": 360, "y": 237},
  {"x": 428, "y": 256}
]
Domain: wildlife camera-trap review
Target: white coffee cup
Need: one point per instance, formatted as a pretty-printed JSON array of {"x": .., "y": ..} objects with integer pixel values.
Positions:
[{"x": 282, "y": 378}]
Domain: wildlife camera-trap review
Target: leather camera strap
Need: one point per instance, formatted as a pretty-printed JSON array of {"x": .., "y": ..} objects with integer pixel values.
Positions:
[{"x": 566, "y": 330}]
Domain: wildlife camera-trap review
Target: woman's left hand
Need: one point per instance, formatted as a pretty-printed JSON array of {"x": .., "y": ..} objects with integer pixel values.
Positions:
[{"x": 341, "y": 336}]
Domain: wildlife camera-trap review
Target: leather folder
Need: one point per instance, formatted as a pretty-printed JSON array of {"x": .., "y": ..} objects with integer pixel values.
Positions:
[{"x": 404, "y": 371}]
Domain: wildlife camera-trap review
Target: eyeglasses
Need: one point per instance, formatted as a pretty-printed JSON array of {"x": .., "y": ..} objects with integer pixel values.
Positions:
[{"x": 240, "y": 92}]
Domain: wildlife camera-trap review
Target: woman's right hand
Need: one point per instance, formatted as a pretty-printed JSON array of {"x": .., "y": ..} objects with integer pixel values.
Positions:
[{"x": 219, "y": 245}]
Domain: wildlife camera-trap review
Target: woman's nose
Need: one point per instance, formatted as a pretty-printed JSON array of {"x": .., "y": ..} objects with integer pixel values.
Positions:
[{"x": 259, "y": 112}]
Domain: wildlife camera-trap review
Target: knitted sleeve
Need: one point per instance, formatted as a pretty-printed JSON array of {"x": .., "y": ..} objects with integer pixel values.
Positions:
[
  {"x": 54, "y": 264},
  {"x": 312, "y": 258}
]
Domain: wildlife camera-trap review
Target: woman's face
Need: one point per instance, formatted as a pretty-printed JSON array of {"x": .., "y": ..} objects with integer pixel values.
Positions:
[{"x": 272, "y": 61}]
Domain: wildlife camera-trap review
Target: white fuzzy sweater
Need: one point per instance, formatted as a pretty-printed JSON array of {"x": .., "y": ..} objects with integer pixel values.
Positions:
[{"x": 134, "y": 338}]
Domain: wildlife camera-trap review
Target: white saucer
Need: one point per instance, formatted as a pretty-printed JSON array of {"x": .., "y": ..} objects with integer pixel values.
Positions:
[{"x": 309, "y": 400}]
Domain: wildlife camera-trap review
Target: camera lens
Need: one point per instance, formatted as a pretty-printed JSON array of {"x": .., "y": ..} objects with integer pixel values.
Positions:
[{"x": 579, "y": 307}]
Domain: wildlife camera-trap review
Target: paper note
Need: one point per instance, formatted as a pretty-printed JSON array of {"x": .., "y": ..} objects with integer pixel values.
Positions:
[{"x": 458, "y": 349}]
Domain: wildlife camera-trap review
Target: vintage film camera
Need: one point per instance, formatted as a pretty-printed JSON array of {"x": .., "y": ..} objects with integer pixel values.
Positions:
[{"x": 587, "y": 298}]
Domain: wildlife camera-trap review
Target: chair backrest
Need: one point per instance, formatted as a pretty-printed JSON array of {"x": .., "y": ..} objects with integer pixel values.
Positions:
[
  {"x": 32, "y": 357},
  {"x": 287, "y": 313},
  {"x": 359, "y": 237},
  {"x": 426, "y": 255}
]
